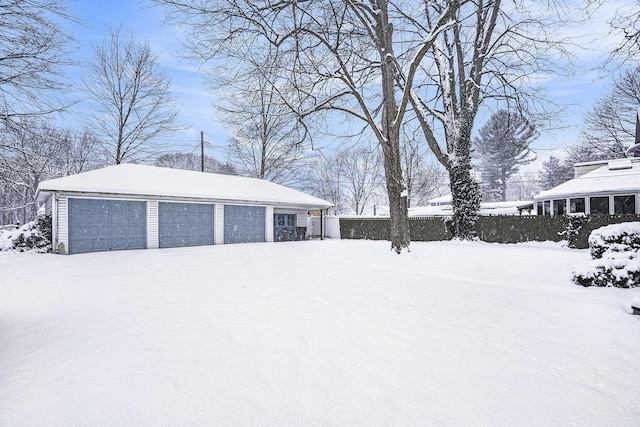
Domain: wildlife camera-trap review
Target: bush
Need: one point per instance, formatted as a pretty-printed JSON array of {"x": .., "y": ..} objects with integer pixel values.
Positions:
[
  {"x": 573, "y": 225},
  {"x": 615, "y": 237},
  {"x": 33, "y": 236},
  {"x": 615, "y": 250}
]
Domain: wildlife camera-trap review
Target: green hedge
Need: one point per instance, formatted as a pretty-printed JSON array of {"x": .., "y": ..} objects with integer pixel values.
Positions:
[{"x": 499, "y": 228}]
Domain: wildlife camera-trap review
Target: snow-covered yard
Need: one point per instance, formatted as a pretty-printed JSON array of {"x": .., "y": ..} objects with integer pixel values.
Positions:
[{"x": 315, "y": 333}]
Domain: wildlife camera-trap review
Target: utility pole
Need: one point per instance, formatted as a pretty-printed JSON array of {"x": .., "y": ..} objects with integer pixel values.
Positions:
[{"x": 202, "y": 151}]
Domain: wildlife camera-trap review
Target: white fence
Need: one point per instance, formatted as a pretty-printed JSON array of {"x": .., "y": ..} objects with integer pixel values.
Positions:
[{"x": 331, "y": 227}]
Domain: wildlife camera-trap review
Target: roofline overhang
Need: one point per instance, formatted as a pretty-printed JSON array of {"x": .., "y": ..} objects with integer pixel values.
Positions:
[
  {"x": 44, "y": 194},
  {"x": 585, "y": 194}
]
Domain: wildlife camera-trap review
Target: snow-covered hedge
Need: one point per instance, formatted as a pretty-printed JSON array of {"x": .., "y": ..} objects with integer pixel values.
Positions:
[
  {"x": 615, "y": 250},
  {"x": 615, "y": 237},
  {"x": 33, "y": 236}
]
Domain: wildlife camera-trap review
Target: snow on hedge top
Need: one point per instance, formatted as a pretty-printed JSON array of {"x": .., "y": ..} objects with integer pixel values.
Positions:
[
  {"x": 140, "y": 180},
  {"x": 616, "y": 176},
  {"x": 613, "y": 232}
]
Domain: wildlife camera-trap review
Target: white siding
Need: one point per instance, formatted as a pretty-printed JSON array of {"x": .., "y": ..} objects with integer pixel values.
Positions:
[
  {"x": 268, "y": 224},
  {"x": 48, "y": 206},
  {"x": 63, "y": 225},
  {"x": 152, "y": 224},
  {"x": 302, "y": 218},
  {"x": 218, "y": 219}
]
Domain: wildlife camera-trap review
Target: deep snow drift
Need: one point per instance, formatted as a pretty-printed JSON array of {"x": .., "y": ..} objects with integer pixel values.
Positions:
[{"x": 315, "y": 333}]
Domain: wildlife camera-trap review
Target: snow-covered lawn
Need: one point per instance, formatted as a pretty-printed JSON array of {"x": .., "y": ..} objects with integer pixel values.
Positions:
[{"x": 315, "y": 333}]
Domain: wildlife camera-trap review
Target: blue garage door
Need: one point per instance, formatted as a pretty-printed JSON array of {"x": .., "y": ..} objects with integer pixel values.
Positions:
[
  {"x": 185, "y": 224},
  {"x": 243, "y": 224},
  {"x": 106, "y": 225}
]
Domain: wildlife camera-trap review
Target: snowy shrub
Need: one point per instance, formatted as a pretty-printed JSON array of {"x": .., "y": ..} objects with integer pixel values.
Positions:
[
  {"x": 615, "y": 237},
  {"x": 572, "y": 228},
  {"x": 615, "y": 250},
  {"x": 33, "y": 236}
]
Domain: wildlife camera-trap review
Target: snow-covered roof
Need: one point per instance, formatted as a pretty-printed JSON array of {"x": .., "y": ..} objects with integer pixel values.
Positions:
[
  {"x": 488, "y": 208},
  {"x": 440, "y": 200},
  {"x": 140, "y": 180},
  {"x": 615, "y": 176}
]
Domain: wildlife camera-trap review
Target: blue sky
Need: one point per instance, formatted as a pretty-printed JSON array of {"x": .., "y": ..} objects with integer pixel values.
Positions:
[
  {"x": 144, "y": 22},
  {"x": 577, "y": 93}
]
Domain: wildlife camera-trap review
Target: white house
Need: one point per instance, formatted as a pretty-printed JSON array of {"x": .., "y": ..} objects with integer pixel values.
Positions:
[
  {"x": 135, "y": 207},
  {"x": 442, "y": 206},
  {"x": 599, "y": 188}
]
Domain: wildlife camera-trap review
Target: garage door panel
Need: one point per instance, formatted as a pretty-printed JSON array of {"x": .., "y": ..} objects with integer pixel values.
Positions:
[
  {"x": 104, "y": 225},
  {"x": 244, "y": 224},
  {"x": 185, "y": 224}
]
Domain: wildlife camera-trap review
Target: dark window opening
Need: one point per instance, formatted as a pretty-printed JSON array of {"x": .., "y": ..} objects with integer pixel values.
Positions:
[
  {"x": 624, "y": 204},
  {"x": 599, "y": 205},
  {"x": 559, "y": 207},
  {"x": 577, "y": 205}
]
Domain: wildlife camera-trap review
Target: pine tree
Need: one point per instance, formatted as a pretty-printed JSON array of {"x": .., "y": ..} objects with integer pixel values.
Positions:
[
  {"x": 554, "y": 172},
  {"x": 502, "y": 147}
]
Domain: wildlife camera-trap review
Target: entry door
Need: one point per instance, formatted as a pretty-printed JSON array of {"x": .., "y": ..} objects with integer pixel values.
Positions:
[{"x": 284, "y": 227}]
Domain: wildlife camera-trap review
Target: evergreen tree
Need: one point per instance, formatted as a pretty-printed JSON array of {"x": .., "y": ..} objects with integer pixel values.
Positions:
[
  {"x": 502, "y": 147},
  {"x": 554, "y": 172}
]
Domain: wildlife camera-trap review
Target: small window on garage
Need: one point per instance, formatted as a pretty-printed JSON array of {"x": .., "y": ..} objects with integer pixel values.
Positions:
[
  {"x": 624, "y": 204},
  {"x": 599, "y": 205}
]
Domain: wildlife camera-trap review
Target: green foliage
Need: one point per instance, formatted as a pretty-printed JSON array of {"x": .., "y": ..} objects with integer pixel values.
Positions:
[
  {"x": 572, "y": 227},
  {"x": 34, "y": 236},
  {"x": 615, "y": 250},
  {"x": 465, "y": 190}
]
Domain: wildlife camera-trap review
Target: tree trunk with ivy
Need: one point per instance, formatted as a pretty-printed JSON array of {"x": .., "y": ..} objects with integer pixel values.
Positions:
[{"x": 465, "y": 190}]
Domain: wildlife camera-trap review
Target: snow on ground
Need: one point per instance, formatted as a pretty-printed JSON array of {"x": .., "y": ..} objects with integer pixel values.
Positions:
[{"x": 315, "y": 333}]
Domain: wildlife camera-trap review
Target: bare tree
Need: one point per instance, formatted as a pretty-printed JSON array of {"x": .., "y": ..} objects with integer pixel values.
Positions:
[
  {"x": 132, "y": 104},
  {"x": 609, "y": 129},
  {"x": 492, "y": 50},
  {"x": 424, "y": 180},
  {"x": 327, "y": 180},
  {"x": 340, "y": 57},
  {"x": 502, "y": 147},
  {"x": 626, "y": 26},
  {"x": 37, "y": 151},
  {"x": 191, "y": 161},
  {"x": 33, "y": 50},
  {"x": 268, "y": 141},
  {"x": 523, "y": 186},
  {"x": 362, "y": 170}
]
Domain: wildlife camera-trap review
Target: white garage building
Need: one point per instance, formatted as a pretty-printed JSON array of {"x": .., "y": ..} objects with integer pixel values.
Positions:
[{"x": 136, "y": 207}]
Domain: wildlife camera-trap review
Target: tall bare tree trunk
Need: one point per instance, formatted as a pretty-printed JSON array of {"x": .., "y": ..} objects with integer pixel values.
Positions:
[{"x": 396, "y": 189}]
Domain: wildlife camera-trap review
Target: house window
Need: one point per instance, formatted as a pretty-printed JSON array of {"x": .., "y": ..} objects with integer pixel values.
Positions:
[
  {"x": 576, "y": 205},
  {"x": 624, "y": 204},
  {"x": 599, "y": 205},
  {"x": 559, "y": 207},
  {"x": 547, "y": 207},
  {"x": 539, "y": 208}
]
